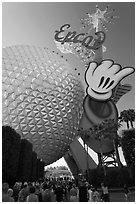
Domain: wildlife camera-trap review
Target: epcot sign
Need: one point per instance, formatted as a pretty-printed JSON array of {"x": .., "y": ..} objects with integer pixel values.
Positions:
[{"x": 63, "y": 36}]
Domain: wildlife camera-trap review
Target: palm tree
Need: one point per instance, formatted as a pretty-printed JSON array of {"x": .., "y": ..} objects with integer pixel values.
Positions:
[
  {"x": 127, "y": 116},
  {"x": 131, "y": 113}
]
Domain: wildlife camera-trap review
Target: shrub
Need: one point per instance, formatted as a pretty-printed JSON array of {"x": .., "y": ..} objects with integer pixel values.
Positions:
[{"x": 115, "y": 177}]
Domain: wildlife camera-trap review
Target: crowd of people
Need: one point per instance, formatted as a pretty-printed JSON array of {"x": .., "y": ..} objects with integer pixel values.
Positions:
[{"x": 52, "y": 190}]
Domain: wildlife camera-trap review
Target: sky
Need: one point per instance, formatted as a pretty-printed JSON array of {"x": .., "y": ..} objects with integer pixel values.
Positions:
[{"x": 34, "y": 23}]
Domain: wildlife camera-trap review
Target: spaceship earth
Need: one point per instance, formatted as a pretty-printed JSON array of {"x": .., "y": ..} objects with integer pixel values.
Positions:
[{"x": 42, "y": 99}]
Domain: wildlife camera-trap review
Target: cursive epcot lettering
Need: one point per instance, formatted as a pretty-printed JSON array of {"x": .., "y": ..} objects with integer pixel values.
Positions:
[{"x": 63, "y": 36}]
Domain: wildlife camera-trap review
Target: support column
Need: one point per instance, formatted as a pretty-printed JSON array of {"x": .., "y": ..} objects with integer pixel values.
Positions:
[{"x": 80, "y": 157}]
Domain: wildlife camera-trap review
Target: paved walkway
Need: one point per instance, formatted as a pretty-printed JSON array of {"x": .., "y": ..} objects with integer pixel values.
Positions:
[{"x": 119, "y": 197}]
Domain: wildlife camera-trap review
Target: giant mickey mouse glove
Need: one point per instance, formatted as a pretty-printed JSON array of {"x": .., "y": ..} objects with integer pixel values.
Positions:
[{"x": 101, "y": 79}]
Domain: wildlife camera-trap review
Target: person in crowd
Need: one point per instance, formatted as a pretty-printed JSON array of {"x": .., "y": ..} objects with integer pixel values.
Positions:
[
  {"x": 24, "y": 192},
  {"x": 16, "y": 189},
  {"x": 5, "y": 194},
  {"x": 59, "y": 193},
  {"x": 65, "y": 192},
  {"x": 96, "y": 195},
  {"x": 38, "y": 192},
  {"x": 126, "y": 191},
  {"x": 10, "y": 193},
  {"x": 73, "y": 193},
  {"x": 48, "y": 194},
  {"x": 83, "y": 192},
  {"x": 49, "y": 190},
  {"x": 105, "y": 193},
  {"x": 90, "y": 193},
  {"x": 32, "y": 197}
]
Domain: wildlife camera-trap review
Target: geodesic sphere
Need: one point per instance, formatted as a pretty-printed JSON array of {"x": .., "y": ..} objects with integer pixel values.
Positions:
[{"x": 42, "y": 99}]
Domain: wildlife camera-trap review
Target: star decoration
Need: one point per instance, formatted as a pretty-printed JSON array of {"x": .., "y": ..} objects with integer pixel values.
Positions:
[
  {"x": 98, "y": 19},
  {"x": 94, "y": 21}
]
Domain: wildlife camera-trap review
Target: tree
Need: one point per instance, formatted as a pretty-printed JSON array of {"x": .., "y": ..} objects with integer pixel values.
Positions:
[
  {"x": 38, "y": 169},
  {"x": 131, "y": 113},
  {"x": 25, "y": 161},
  {"x": 128, "y": 148},
  {"x": 127, "y": 116},
  {"x": 42, "y": 164},
  {"x": 62, "y": 168},
  {"x": 34, "y": 166},
  {"x": 10, "y": 154}
]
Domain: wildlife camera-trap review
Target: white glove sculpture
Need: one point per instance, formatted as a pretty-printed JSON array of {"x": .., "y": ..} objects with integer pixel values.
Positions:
[{"x": 101, "y": 79}]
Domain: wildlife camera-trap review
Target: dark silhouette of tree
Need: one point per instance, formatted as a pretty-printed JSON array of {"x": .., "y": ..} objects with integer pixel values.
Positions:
[
  {"x": 41, "y": 171},
  {"x": 34, "y": 167},
  {"x": 131, "y": 116},
  {"x": 38, "y": 169},
  {"x": 10, "y": 153},
  {"x": 25, "y": 161},
  {"x": 128, "y": 148},
  {"x": 127, "y": 116}
]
